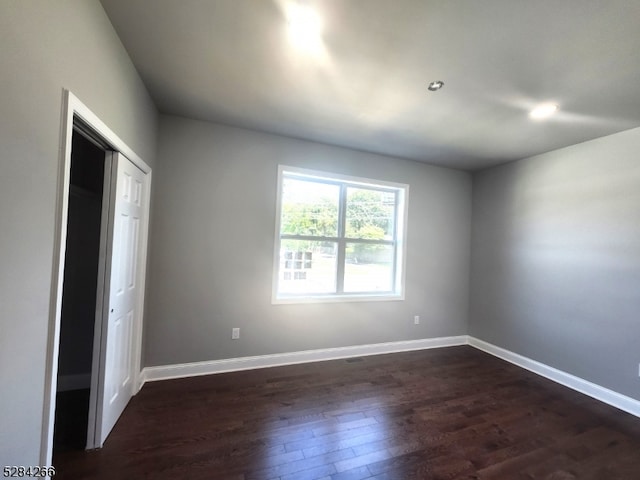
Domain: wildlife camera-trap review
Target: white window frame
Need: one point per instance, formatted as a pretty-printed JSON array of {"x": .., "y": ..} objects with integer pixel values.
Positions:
[{"x": 399, "y": 240}]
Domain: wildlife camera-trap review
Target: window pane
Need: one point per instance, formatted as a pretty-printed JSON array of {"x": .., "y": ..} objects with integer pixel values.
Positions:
[
  {"x": 309, "y": 208},
  {"x": 368, "y": 268},
  {"x": 370, "y": 214},
  {"x": 307, "y": 267}
]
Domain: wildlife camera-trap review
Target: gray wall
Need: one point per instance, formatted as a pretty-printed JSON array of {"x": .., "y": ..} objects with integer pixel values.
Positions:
[
  {"x": 556, "y": 259},
  {"x": 46, "y": 46},
  {"x": 213, "y": 239}
]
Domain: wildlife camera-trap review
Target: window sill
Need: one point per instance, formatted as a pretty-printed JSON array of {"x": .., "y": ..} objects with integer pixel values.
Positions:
[{"x": 347, "y": 298}]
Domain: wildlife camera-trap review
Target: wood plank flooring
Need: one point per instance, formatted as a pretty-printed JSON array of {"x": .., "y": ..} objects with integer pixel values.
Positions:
[{"x": 450, "y": 413}]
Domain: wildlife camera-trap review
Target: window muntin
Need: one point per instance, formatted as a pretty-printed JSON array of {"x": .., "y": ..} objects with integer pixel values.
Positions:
[{"x": 338, "y": 237}]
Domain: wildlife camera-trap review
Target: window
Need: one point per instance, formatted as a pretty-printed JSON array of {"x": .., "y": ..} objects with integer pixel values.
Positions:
[{"x": 338, "y": 237}]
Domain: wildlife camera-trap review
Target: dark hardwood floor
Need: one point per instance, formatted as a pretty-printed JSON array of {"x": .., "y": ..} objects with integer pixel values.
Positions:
[{"x": 451, "y": 413}]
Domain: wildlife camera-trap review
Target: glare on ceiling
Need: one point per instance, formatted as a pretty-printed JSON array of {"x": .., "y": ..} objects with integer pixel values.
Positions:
[
  {"x": 305, "y": 27},
  {"x": 544, "y": 110}
]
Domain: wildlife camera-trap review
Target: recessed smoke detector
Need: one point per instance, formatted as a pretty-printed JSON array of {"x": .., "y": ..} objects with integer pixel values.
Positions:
[{"x": 435, "y": 86}]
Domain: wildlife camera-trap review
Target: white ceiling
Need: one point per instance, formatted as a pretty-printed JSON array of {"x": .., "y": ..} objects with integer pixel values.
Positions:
[{"x": 230, "y": 61}]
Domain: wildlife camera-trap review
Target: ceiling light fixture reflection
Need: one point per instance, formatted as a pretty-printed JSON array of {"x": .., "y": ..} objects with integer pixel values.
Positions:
[
  {"x": 305, "y": 27},
  {"x": 435, "y": 86},
  {"x": 544, "y": 110}
]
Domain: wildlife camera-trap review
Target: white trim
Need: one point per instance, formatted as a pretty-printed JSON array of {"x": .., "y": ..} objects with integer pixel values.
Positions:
[
  {"x": 76, "y": 381},
  {"x": 79, "y": 109},
  {"x": 55, "y": 301},
  {"x": 603, "y": 394},
  {"x": 142, "y": 266},
  {"x": 142, "y": 378},
  {"x": 167, "y": 372},
  {"x": 72, "y": 106},
  {"x": 335, "y": 298},
  {"x": 103, "y": 269}
]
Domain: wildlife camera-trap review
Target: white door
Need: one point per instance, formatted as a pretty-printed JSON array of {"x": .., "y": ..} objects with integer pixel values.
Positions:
[{"x": 123, "y": 285}]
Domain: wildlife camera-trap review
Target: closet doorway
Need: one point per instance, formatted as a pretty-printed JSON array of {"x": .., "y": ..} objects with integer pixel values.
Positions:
[
  {"x": 95, "y": 337},
  {"x": 79, "y": 293}
]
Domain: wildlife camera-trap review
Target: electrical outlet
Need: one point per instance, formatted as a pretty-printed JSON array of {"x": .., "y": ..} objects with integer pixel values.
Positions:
[
  {"x": 416, "y": 320},
  {"x": 235, "y": 333}
]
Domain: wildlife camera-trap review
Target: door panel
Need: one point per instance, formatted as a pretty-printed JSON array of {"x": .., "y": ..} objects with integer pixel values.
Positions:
[{"x": 122, "y": 285}]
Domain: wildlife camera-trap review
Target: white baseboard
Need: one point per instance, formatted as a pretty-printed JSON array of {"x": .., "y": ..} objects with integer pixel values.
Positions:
[
  {"x": 77, "y": 381},
  {"x": 603, "y": 394},
  {"x": 167, "y": 372}
]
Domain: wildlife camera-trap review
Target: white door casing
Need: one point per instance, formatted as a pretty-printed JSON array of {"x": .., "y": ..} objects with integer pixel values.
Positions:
[{"x": 123, "y": 284}]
